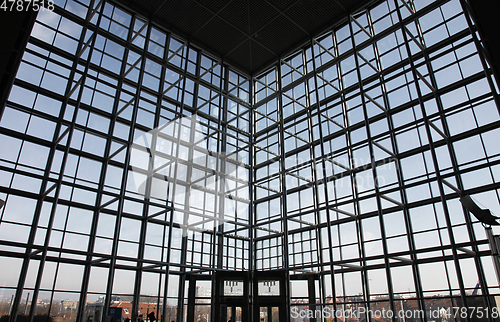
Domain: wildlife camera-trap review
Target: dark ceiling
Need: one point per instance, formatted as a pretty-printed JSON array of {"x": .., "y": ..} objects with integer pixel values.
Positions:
[{"x": 248, "y": 34}]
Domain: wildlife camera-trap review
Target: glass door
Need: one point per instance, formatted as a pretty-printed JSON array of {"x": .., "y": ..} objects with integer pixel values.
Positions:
[
  {"x": 231, "y": 313},
  {"x": 269, "y": 313}
]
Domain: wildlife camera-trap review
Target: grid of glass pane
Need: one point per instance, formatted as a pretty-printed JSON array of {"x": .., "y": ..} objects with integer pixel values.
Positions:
[
  {"x": 130, "y": 158},
  {"x": 372, "y": 129},
  {"x": 127, "y": 166}
]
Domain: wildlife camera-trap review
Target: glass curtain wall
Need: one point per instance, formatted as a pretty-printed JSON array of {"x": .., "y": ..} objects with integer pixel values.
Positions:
[
  {"x": 130, "y": 159},
  {"x": 365, "y": 139},
  {"x": 125, "y": 161}
]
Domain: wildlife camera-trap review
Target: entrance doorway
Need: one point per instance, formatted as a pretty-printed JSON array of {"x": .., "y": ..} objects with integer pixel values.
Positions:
[
  {"x": 236, "y": 297},
  {"x": 269, "y": 289}
]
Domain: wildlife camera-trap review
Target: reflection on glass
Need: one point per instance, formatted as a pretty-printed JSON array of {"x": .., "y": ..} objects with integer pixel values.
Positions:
[
  {"x": 263, "y": 314},
  {"x": 275, "y": 315}
]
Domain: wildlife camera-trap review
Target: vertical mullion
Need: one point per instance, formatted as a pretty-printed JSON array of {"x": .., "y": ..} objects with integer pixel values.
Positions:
[
  {"x": 436, "y": 166},
  {"x": 352, "y": 175},
  {"x": 284, "y": 216},
  {"x": 314, "y": 185},
  {"x": 41, "y": 266},
  {"x": 251, "y": 210},
  {"x": 375, "y": 179},
  {"x": 182, "y": 279},
  {"x": 456, "y": 171},
  {"x": 402, "y": 192},
  {"x": 142, "y": 236},
  {"x": 93, "y": 233},
  {"x": 162, "y": 274},
  {"x": 325, "y": 182}
]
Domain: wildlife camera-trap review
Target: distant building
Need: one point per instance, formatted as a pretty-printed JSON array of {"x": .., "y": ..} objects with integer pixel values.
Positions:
[{"x": 144, "y": 310}]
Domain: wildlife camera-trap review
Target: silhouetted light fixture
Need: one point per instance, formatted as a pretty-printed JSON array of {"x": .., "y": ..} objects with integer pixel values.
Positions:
[
  {"x": 483, "y": 215},
  {"x": 1, "y": 203},
  {"x": 488, "y": 220}
]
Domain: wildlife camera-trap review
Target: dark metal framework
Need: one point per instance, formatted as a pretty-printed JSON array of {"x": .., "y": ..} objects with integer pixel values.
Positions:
[
  {"x": 365, "y": 139},
  {"x": 138, "y": 169}
]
